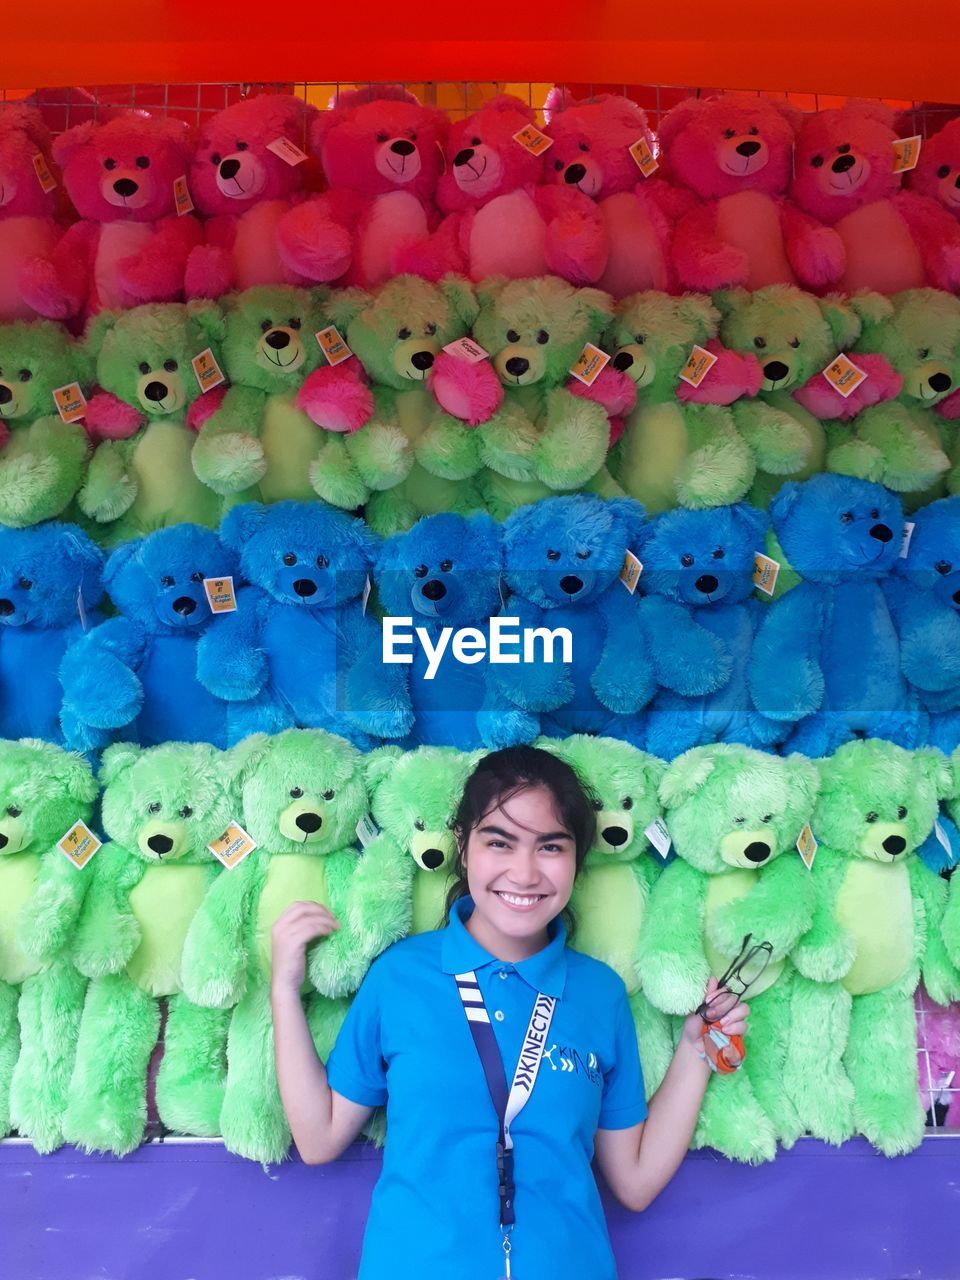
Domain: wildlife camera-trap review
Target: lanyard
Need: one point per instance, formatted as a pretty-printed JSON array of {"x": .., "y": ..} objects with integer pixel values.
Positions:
[{"x": 507, "y": 1105}]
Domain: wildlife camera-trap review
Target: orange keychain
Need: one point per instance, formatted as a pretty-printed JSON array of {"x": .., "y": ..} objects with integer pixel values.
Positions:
[{"x": 725, "y": 1054}]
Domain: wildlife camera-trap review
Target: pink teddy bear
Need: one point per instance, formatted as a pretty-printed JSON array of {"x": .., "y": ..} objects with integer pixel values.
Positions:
[
  {"x": 243, "y": 188},
  {"x": 937, "y": 174},
  {"x": 382, "y": 154},
  {"x": 731, "y": 155},
  {"x": 892, "y": 239},
  {"x": 28, "y": 226},
  {"x": 130, "y": 246}
]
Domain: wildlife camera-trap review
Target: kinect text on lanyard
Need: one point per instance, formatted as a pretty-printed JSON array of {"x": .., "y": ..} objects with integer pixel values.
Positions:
[{"x": 507, "y": 1105}]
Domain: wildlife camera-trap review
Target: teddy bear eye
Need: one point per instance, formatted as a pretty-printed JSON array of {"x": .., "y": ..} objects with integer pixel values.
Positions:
[
  {"x": 686, "y": 559},
  {"x": 739, "y": 821},
  {"x": 843, "y": 148},
  {"x": 381, "y": 135},
  {"x": 558, "y": 165},
  {"x": 846, "y": 517},
  {"x": 943, "y": 171},
  {"x": 767, "y": 817},
  {"x": 143, "y": 162},
  {"x": 584, "y": 146},
  {"x": 639, "y": 339},
  {"x": 420, "y": 824},
  {"x": 923, "y": 353},
  {"x": 143, "y": 367},
  {"x": 170, "y": 366},
  {"x": 754, "y": 131},
  {"x": 24, "y": 375},
  {"x": 512, "y": 335},
  {"x": 186, "y": 812},
  {"x": 543, "y": 337},
  {"x": 328, "y": 795},
  {"x": 26, "y": 583},
  {"x": 294, "y": 323},
  {"x": 874, "y": 514},
  {"x": 553, "y": 555},
  {"x": 420, "y": 571},
  {"x": 718, "y": 553},
  {"x": 110, "y": 163},
  {"x": 13, "y": 811},
  {"x": 242, "y": 146},
  {"x": 289, "y": 558},
  {"x": 412, "y": 136},
  {"x": 322, "y": 561},
  {"x": 728, "y": 133},
  {"x": 215, "y": 157},
  {"x": 196, "y": 576},
  {"x": 871, "y": 816},
  {"x": 943, "y": 567},
  {"x": 403, "y": 333},
  {"x": 153, "y": 808},
  {"x": 901, "y": 812},
  {"x": 475, "y": 142},
  {"x": 794, "y": 342},
  {"x": 166, "y": 581},
  {"x": 816, "y": 161},
  {"x": 296, "y": 792},
  {"x": 431, "y": 329},
  {"x": 265, "y": 325},
  {"x": 759, "y": 343},
  {"x": 626, "y": 802},
  {"x": 584, "y": 555},
  {"x": 446, "y": 566},
  {"x": 598, "y": 805}
]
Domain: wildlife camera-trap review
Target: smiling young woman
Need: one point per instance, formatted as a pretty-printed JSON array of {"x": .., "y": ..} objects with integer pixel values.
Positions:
[{"x": 506, "y": 1060}]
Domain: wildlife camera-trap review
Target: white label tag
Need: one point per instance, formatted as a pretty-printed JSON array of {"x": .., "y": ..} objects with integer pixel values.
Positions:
[
  {"x": 287, "y": 151},
  {"x": 467, "y": 349},
  {"x": 367, "y": 587},
  {"x": 807, "y": 845},
  {"x": 659, "y": 836},
  {"x": 367, "y": 830},
  {"x": 82, "y": 610},
  {"x": 907, "y": 535},
  {"x": 943, "y": 841}
]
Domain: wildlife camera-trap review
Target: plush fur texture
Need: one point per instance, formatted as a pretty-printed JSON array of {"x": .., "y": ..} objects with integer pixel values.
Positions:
[
  {"x": 941, "y": 1061},
  {"x": 28, "y": 214},
  {"x": 937, "y": 172}
]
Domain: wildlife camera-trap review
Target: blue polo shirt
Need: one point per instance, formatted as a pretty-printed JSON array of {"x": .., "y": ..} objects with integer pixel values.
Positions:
[{"x": 406, "y": 1043}]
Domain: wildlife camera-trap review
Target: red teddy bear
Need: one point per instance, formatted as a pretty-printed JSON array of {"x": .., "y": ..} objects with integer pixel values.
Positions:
[
  {"x": 938, "y": 169},
  {"x": 28, "y": 226}
]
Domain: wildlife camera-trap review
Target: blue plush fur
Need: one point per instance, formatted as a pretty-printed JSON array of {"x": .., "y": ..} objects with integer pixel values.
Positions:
[
  {"x": 827, "y": 656},
  {"x": 703, "y": 561},
  {"x": 300, "y": 652},
  {"x": 136, "y": 676},
  {"x": 43, "y": 571}
]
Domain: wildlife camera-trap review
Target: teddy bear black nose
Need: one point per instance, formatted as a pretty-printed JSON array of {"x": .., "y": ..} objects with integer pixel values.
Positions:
[
  {"x": 615, "y": 836},
  {"x": 517, "y": 366},
  {"x": 160, "y": 844},
  {"x": 775, "y": 370},
  {"x": 309, "y": 822},
  {"x": 155, "y": 391},
  {"x": 843, "y": 163},
  {"x": 3, "y": 841},
  {"x": 571, "y": 584},
  {"x": 940, "y": 381},
  {"x": 894, "y": 844},
  {"x": 126, "y": 187},
  {"x": 758, "y": 851},
  {"x": 229, "y": 168},
  {"x": 432, "y": 858},
  {"x": 575, "y": 173},
  {"x": 882, "y": 532},
  {"x": 184, "y": 605},
  {"x": 403, "y": 148},
  {"x": 305, "y": 587},
  {"x": 6, "y": 395},
  {"x": 434, "y": 589},
  {"x": 277, "y": 339},
  {"x": 706, "y": 583},
  {"x": 464, "y": 156},
  {"x": 422, "y": 360},
  {"x": 748, "y": 148},
  {"x": 622, "y": 360},
  {"x": 6, "y": 608}
]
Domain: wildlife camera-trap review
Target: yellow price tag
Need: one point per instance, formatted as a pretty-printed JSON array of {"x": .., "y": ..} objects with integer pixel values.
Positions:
[
  {"x": 906, "y": 153},
  {"x": 206, "y": 370},
  {"x": 42, "y": 170},
  {"x": 807, "y": 845},
  {"x": 843, "y": 375},
  {"x": 233, "y": 846},
  {"x": 220, "y": 595},
  {"x": 332, "y": 345},
  {"x": 79, "y": 844},
  {"x": 765, "y": 573},
  {"x": 70, "y": 401},
  {"x": 589, "y": 364},
  {"x": 181, "y": 196},
  {"x": 643, "y": 157},
  {"x": 532, "y": 140},
  {"x": 698, "y": 365},
  {"x": 630, "y": 571}
]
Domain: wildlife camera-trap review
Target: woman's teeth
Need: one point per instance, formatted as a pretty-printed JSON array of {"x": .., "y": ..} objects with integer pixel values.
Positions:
[{"x": 520, "y": 901}]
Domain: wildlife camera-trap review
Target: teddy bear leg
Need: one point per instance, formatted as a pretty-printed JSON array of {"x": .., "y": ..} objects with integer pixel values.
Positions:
[
  {"x": 766, "y": 1056},
  {"x": 672, "y": 728},
  {"x": 814, "y": 1076},
  {"x": 733, "y": 1122},
  {"x": 945, "y": 731},
  {"x": 816, "y": 736},
  {"x": 655, "y": 1040},
  {"x": 51, "y": 1004},
  {"x": 261, "y": 714},
  {"x": 107, "y": 1107},
  {"x": 9, "y": 1049},
  {"x": 881, "y": 1060},
  {"x": 193, "y": 1071},
  {"x": 252, "y": 1120},
  {"x": 908, "y": 729}
]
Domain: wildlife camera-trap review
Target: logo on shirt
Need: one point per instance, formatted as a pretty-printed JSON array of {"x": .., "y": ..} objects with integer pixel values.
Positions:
[{"x": 567, "y": 1058}]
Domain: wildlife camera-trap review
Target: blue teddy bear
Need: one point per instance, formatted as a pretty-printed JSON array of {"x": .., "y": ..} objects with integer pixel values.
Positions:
[
  {"x": 563, "y": 559},
  {"x": 301, "y": 651},
  {"x": 703, "y": 560},
  {"x": 445, "y": 573},
  {"x": 50, "y": 589},
  {"x": 136, "y": 676},
  {"x": 827, "y": 655}
]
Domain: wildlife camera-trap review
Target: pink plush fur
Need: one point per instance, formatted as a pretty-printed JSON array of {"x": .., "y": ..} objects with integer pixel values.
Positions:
[
  {"x": 820, "y": 398},
  {"x": 941, "y": 1028},
  {"x": 28, "y": 227},
  {"x": 735, "y": 376},
  {"x": 109, "y": 418},
  {"x": 937, "y": 174},
  {"x": 471, "y": 392},
  {"x": 337, "y": 398}
]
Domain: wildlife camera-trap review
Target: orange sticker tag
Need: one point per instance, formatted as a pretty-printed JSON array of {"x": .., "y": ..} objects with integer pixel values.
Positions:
[
  {"x": 589, "y": 364},
  {"x": 699, "y": 363},
  {"x": 532, "y": 140},
  {"x": 79, "y": 844},
  {"x": 630, "y": 571},
  {"x": 70, "y": 401},
  {"x": 843, "y": 375},
  {"x": 220, "y": 595},
  {"x": 42, "y": 170},
  {"x": 181, "y": 196},
  {"x": 906, "y": 153},
  {"x": 287, "y": 150},
  {"x": 233, "y": 846},
  {"x": 467, "y": 349},
  {"x": 206, "y": 370},
  {"x": 807, "y": 845},
  {"x": 333, "y": 346},
  {"x": 643, "y": 157},
  {"x": 765, "y": 573}
]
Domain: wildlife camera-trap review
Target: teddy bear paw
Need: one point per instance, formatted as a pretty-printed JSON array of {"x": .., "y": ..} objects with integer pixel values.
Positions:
[
  {"x": 27, "y": 483},
  {"x": 230, "y": 463}
]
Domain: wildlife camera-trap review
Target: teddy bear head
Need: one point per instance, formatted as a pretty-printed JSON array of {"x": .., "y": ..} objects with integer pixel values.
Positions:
[
  {"x": 36, "y": 357},
  {"x": 591, "y": 143},
  {"x": 166, "y": 804},
  {"x": 918, "y": 330},
  {"x": 143, "y": 356},
  {"x": 844, "y": 159},
  {"x": 124, "y": 168},
  {"x": 651, "y": 335},
  {"x": 793, "y": 334},
  {"x": 938, "y": 169},
  {"x": 304, "y": 554},
  {"x": 380, "y": 139},
  {"x": 728, "y": 806},
  {"x": 932, "y": 562},
  {"x": 569, "y": 550},
  {"x": 536, "y": 329},
  {"x": 157, "y": 581},
  {"x": 269, "y": 340},
  {"x": 483, "y": 160},
  {"x": 704, "y": 558},
  {"x": 46, "y": 571},
  {"x": 879, "y": 801},
  {"x": 233, "y": 166},
  {"x": 623, "y": 782},
  {"x": 23, "y": 138},
  {"x": 833, "y": 526},
  {"x": 398, "y": 330},
  {"x": 43, "y": 791},
  {"x": 414, "y": 797},
  {"x": 733, "y": 142},
  {"x": 446, "y": 568}
]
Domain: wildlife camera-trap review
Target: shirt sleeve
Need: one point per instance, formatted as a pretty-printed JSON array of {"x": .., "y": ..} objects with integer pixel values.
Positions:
[
  {"x": 356, "y": 1068},
  {"x": 623, "y": 1103}
]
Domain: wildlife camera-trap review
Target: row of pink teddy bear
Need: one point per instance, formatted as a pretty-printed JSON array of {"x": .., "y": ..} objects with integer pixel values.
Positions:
[{"x": 741, "y": 191}]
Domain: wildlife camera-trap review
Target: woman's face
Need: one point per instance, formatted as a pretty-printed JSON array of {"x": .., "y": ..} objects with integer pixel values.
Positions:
[{"x": 520, "y": 863}]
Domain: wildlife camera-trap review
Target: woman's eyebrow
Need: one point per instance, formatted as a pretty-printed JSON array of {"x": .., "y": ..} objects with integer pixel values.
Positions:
[
  {"x": 496, "y": 831},
  {"x": 546, "y": 835}
]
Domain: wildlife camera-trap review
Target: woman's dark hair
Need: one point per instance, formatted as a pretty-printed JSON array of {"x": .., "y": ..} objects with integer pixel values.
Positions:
[{"x": 500, "y": 776}]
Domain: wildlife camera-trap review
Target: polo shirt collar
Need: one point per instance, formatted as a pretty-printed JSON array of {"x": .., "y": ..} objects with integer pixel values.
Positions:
[{"x": 460, "y": 952}]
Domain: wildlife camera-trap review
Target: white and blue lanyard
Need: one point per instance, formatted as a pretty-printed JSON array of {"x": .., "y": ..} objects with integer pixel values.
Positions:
[{"x": 507, "y": 1105}]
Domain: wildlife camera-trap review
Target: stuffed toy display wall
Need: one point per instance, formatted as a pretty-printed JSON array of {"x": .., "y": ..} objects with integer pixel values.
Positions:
[{"x": 29, "y": 226}]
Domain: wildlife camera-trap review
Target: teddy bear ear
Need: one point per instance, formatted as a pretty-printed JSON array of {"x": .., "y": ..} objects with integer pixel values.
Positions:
[
  {"x": 488, "y": 291},
  {"x": 72, "y": 140},
  {"x": 98, "y": 327},
  {"x": 558, "y": 99},
  {"x": 176, "y": 133},
  {"x": 240, "y": 524},
  {"x": 793, "y": 115},
  {"x": 804, "y": 777},
  {"x": 88, "y": 557},
  {"x": 344, "y": 305},
  {"x": 870, "y": 109},
  {"x": 685, "y": 776},
  {"x": 509, "y": 103},
  {"x": 27, "y": 120},
  {"x": 842, "y": 320},
  {"x": 697, "y": 309},
  {"x": 935, "y": 767},
  {"x": 240, "y": 759},
  {"x": 752, "y": 519},
  {"x": 783, "y": 503},
  {"x": 379, "y": 764},
  {"x": 653, "y": 769},
  {"x": 677, "y": 119},
  {"x": 727, "y": 301},
  {"x": 76, "y": 777},
  {"x": 209, "y": 319},
  {"x": 872, "y": 308},
  {"x": 461, "y": 296},
  {"x": 115, "y": 759},
  {"x": 597, "y": 307},
  {"x": 118, "y": 560},
  {"x": 633, "y": 516}
]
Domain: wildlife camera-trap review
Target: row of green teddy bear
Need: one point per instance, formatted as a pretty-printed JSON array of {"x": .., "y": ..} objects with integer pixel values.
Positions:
[
  {"x": 406, "y": 428},
  {"x": 91, "y": 957}
]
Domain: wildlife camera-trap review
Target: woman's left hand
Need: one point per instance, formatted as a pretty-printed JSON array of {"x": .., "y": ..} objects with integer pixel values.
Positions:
[{"x": 733, "y": 1021}]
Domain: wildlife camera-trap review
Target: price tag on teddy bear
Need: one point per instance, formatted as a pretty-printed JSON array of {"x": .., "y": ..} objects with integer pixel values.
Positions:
[
  {"x": 183, "y": 202},
  {"x": 843, "y": 375},
  {"x": 333, "y": 346},
  {"x": 698, "y": 365},
  {"x": 807, "y": 845},
  {"x": 765, "y": 573},
  {"x": 906, "y": 153},
  {"x": 233, "y": 846},
  {"x": 44, "y": 176},
  {"x": 79, "y": 844},
  {"x": 70, "y": 401},
  {"x": 287, "y": 151},
  {"x": 467, "y": 349},
  {"x": 220, "y": 595},
  {"x": 630, "y": 571},
  {"x": 659, "y": 836},
  {"x": 532, "y": 140},
  {"x": 206, "y": 371},
  {"x": 908, "y": 526},
  {"x": 643, "y": 157},
  {"x": 367, "y": 830},
  {"x": 589, "y": 363}
]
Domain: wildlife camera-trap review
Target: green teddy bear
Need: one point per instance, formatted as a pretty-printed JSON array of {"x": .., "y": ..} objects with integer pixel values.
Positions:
[
  {"x": 734, "y": 815},
  {"x": 141, "y": 476},
  {"x": 303, "y": 796},
  {"x": 161, "y": 809},
  {"x": 43, "y": 457},
  {"x": 612, "y": 891},
  {"x": 876, "y": 930},
  {"x": 44, "y": 792}
]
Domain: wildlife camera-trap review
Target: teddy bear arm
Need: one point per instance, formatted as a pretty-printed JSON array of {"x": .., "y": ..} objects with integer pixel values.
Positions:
[
  {"x": 337, "y": 963},
  {"x": 822, "y": 399},
  {"x": 227, "y": 455},
  {"x": 508, "y": 442},
  {"x": 778, "y": 909},
  {"x": 777, "y": 441},
  {"x": 827, "y": 950},
  {"x": 785, "y": 678},
  {"x": 576, "y": 244},
  {"x": 107, "y": 933},
  {"x": 98, "y": 674},
  {"x": 694, "y": 662},
  {"x": 49, "y": 917},
  {"x": 381, "y": 451},
  {"x": 377, "y": 700},
  {"x": 231, "y": 661},
  {"x": 719, "y": 467},
  {"x": 39, "y": 483},
  {"x": 432, "y": 256},
  {"x": 929, "y": 637},
  {"x": 701, "y": 258},
  {"x": 623, "y": 679},
  {"x": 903, "y": 449},
  {"x": 156, "y": 272},
  {"x": 573, "y": 442},
  {"x": 377, "y": 899},
  {"x": 448, "y": 449},
  {"x": 110, "y": 486},
  {"x": 209, "y": 268},
  {"x": 214, "y": 963},
  {"x": 313, "y": 242},
  {"x": 941, "y": 976},
  {"x": 57, "y": 287},
  {"x": 531, "y": 686},
  {"x": 815, "y": 252},
  {"x": 936, "y": 234},
  {"x": 671, "y": 962}
]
